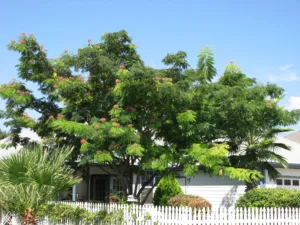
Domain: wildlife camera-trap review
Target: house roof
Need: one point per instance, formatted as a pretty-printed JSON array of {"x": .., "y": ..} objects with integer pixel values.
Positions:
[
  {"x": 294, "y": 136},
  {"x": 4, "y": 152},
  {"x": 292, "y": 156}
]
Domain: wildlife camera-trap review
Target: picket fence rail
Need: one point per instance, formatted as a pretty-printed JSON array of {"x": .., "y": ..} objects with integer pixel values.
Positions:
[{"x": 169, "y": 215}]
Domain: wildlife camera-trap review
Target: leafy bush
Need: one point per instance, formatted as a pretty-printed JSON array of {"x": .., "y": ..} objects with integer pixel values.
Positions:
[
  {"x": 167, "y": 187},
  {"x": 192, "y": 201},
  {"x": 270, "y": 197},
  {"x": 60, "y": 212}
]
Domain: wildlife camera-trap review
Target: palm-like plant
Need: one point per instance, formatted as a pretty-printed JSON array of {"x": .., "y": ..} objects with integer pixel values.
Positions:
[
  {"x": 257, "y": 151},
  {"x": 31, "y": 177}
]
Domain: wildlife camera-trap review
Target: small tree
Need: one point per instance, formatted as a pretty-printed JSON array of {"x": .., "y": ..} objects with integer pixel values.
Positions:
[
  {"x": 167, "y": 188},
  {"x": 32, "y": 177}
]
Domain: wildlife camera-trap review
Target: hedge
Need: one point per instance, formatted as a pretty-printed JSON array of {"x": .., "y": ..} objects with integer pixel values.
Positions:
[{"x": 270, "y": 197}]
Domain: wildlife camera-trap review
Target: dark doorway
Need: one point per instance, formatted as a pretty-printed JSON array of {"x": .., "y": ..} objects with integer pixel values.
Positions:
[{"x": 100, "y": 188}]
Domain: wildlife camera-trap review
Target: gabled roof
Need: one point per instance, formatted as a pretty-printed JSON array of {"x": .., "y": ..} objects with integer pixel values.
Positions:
[
  {"x": 292, "y": 156},
  {"x": 294, "y": 136},
  {"x": 4, "y": 152}
]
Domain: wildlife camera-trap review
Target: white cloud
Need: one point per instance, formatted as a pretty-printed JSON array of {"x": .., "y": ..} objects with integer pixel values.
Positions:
[
  {"x": 293, "y": 103},
  {"x": 286, "y": 67},
  {"x": 284, "y": 74},
  {"x": 287, "y": 77}
]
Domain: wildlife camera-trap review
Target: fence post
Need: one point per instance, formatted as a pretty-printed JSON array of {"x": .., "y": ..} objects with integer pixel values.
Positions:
[{"x": 1, "y": 216}]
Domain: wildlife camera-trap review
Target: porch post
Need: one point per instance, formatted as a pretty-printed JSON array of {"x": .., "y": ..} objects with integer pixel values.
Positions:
[{"x": 74, "y": 193}]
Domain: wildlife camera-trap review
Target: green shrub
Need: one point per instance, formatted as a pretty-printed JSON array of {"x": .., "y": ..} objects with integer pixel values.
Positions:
[
  {"x": 167, "y": 187},
  {"x": 270, "y": 197},
  {"x": 192, "y": 201},
  {"x": 60, "y": 212}
]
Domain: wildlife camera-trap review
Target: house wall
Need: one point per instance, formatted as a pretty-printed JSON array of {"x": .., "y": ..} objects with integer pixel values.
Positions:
[
  {"x": 286, "y": 174},
  {"x": 219, "y": 191}
]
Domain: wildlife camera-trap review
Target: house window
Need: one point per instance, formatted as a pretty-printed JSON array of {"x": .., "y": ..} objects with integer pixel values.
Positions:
[
  {"x": 279, "y": 182},
  {"x": 287, "y": 182},
  {"x": 146, "y": 177},
  {"x": 117, "y": 187},
  {"x": 295, "y": 182}
]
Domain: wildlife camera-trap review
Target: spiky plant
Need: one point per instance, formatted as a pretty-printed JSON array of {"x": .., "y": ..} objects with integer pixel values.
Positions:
[
  {"x": 31, "y": 177},
  {"x": 259, "y": 151}
]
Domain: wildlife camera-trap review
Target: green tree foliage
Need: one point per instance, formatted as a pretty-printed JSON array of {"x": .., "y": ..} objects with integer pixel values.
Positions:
[
  {"x": 270, "y": 198},
  {"x": 115, "y": 110},
  {"x": 32, "y": 177},
  {"x": 257, "y": 151},
  {"x": 3, "y": 134},
  {"x": 167, "y": 187}
]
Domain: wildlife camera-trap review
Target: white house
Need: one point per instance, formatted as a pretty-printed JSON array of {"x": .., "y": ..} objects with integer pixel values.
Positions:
[
  {"x": 26, "y": 133},
  {"x": 220, "y": 191}
]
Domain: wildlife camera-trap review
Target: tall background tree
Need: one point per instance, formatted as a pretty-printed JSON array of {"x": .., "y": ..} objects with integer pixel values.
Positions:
[{"x": 113, "y": 109}]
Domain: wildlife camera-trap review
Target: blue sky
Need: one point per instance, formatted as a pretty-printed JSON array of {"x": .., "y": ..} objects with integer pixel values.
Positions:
[{"x": 261, "y": 36}]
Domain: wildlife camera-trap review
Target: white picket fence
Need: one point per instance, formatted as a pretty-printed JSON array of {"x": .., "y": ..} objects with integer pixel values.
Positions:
[{"x": 150, "y": 215}]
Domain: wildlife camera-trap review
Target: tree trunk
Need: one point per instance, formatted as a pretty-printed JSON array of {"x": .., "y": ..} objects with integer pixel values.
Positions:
[
  {"x": 148, "y": 193},
  {"x": 250, "y": 185},
  {"x": 29, "y": 217},
  {"x": 130, "y": 182}
]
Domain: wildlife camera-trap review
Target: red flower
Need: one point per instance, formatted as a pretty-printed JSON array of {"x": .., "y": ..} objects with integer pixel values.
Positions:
[
  {"x": 116, "y": 125},
  {"x": 103, "y": 120},
  {"x": 130, "y": 125},
  {"x": 89, "y": 40},
  {"x": 96, "y": 127},
  {"x": 82, "y": 141},
  {"x": 55, "y": 86},
  {"x": 60, "y": 116},
  {"x": 22, "y": 41}
]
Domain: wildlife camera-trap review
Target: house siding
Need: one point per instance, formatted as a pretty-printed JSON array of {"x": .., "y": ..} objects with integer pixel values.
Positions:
[{"x": 219, "y": 191}]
